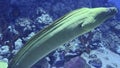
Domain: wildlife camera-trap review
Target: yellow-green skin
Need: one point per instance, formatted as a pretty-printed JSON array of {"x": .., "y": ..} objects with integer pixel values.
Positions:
[
  {"x": 62, "y": 30},
  {"x": 3, "y": 64}
]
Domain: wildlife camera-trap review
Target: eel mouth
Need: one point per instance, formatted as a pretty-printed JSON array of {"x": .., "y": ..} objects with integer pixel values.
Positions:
[{"x": 112, "y": 10}]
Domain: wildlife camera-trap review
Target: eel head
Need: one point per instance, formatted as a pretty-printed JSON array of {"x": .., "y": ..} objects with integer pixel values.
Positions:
[{"x": 95, "y": 16}]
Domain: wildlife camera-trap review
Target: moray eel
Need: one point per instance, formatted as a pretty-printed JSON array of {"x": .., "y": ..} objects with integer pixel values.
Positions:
[{"x": 66, "y": 28}]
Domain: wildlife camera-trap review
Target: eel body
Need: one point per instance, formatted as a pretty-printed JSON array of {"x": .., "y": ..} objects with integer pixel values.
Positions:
[{"x": 59, "y": 32}]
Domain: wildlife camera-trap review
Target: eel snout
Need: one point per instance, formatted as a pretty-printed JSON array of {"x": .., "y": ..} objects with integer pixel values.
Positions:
[{"x": 112, "y": 10}]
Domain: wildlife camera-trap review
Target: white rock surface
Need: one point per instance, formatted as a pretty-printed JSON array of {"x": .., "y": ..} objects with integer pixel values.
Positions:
[
  {"x": 117, "y": 26},
  {"x": 4, "y": 50},
  {"x": 106, "y": 56},
  {"x": 15, "y": 51},
  {"x": 18, "y": 44},
  {"x": 44, "y": 18},
  {"x": 12, "y": 29},
  {"x": 29, "y": 36},
  {"x": 23, "y": 21}
]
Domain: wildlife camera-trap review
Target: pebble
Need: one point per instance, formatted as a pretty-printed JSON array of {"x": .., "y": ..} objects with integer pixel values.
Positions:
[
  {"x": 44, "y": 18},
  {"x": 93, "y": 56},
  {"x": 117, "y": 27},
  {"x": 4, "y": 50},
  {"x": 18, "y": 44},
  {"x": 96, "y": 63},
  {"x": 109, "y": 66},
  {"x": 14, "y": 52}
]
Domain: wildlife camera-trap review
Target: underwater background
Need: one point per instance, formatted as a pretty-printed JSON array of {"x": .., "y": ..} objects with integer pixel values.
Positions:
[{"x": 22, "y": 19}]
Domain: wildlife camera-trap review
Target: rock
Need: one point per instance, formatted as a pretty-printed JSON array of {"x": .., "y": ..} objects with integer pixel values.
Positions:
[
  {"x": 18, "y": 44},
  {"x": 59, "y": 63},
  {"x": 14, "y": 52},
  {"x": 97, "y": 63},
  {"x": 118, "y": 49},
  {"x": 93, "y": 56},
  {"x": 29, "y": 36},
  {"x": 43, "y": 63},
  {"x": 104, "y": 58},
  {"x": 12, "y": 30},
  {"x": 44, "y": 18},
  {"x": 117, "y": 27},
  {"x": 23, "y": 22},
  {"x": 109, "y": 66},
  {"x": 1, "y": 57},
  {"x": 76, "y": 62},
  {"x": 97, "y": 36},
  {"x": 4, "y": 50}
]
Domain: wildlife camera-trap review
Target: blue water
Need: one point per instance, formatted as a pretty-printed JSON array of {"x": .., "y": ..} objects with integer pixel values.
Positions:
[
  {"x": 21, "y": 19},
  {"x": 115, "y": 2}
]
